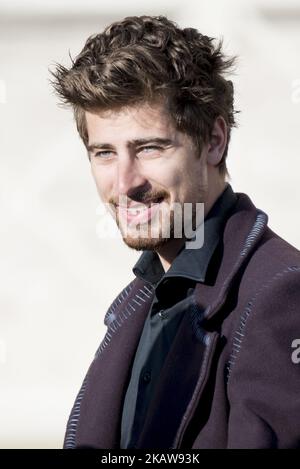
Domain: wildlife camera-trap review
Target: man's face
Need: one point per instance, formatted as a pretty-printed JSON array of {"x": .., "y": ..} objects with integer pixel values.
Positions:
[{"x": 142, "y": 165}]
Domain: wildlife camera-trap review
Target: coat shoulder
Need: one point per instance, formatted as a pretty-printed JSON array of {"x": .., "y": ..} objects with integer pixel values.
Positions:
[{"x": 273, "y": 258}]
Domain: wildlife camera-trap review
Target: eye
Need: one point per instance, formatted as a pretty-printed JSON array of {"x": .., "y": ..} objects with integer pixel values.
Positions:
[
  {"x": 103, "y": 154},
  {"x": 150, "y": 148}
]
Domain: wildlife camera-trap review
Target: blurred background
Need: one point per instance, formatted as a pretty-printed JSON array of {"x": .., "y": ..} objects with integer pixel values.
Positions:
[{"x": 56, "y": 273}]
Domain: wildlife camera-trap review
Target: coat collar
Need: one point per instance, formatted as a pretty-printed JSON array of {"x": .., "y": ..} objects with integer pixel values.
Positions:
[
  {"x": 243, "y": 231},
  {"x": 190, "y": 263}
]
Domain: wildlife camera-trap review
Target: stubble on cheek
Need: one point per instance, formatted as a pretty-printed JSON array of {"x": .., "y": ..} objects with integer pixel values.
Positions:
[{"x": 152, "y": 235}]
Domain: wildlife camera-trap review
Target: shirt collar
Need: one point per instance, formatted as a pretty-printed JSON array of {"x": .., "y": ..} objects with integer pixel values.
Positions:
[{"x": 190, "y": 263}]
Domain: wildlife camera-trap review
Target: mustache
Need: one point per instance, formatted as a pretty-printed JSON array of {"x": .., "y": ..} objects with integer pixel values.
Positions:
[{"x": 139, "y": 197}]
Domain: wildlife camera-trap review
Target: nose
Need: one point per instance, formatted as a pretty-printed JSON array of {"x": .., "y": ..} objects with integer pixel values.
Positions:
[{"x": 129, "y": 177}]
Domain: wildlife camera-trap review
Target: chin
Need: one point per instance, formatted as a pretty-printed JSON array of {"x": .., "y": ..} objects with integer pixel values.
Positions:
[
  {"x": 143, "y": 244},
  {"x": 145, "y": 239}
]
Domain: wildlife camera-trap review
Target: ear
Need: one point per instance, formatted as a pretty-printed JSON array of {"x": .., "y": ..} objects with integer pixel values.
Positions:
[{"x": 217, "y": 141}]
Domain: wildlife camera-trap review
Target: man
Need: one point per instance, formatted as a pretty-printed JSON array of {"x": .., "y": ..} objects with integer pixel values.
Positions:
[{"x": 198, "y": 348}]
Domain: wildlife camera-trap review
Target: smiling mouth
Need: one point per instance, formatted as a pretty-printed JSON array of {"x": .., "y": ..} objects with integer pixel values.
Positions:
[
  {"x": 143, "y": 206},
  {"x": 141, "y": 213}
]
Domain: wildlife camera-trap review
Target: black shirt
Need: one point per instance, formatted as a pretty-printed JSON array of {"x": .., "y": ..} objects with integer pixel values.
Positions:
[{"x": 173, "y": 290}]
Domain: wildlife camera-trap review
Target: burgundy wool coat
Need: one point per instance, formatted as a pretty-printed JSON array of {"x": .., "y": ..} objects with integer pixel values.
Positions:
[{"x": 229, "y": 380}]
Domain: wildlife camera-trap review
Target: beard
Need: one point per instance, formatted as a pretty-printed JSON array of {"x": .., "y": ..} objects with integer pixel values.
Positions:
[
  {"x": 167, "y": 224},
  {"x": 143, "y": 238}
]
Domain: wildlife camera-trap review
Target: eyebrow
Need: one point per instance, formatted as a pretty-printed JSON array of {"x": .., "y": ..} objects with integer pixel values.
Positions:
[{"x": 135, "y": 142}]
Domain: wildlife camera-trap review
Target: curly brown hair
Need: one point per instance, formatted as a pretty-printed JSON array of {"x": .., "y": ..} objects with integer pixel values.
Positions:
[{"x": 143, "y": 58}]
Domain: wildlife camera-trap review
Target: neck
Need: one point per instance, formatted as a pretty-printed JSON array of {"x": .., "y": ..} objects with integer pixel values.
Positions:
[{"x": 168, "y": 252}]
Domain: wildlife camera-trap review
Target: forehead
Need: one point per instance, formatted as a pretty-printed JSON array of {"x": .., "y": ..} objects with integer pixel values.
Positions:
[{"x": 130, "y": 122}]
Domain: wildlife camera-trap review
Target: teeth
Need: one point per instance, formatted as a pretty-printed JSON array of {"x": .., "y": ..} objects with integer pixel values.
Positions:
[
  {"x": 139, "y": 209},
  {"x": 135, "y": 211}
]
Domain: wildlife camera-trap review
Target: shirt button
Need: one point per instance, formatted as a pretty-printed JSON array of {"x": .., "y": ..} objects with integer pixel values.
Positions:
[
  {"x": 147, "y": 377},
  {"x": 163, "y": 314}
]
